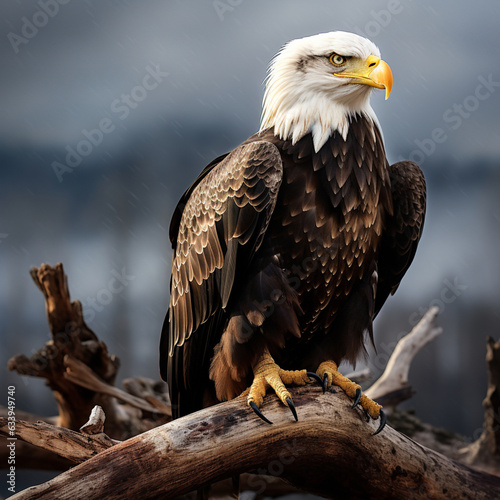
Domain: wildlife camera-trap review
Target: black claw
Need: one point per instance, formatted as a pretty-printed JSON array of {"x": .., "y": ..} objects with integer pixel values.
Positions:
[
  {"x": 367, "y": 416},
  {"x": 315, "y": 376},
  {"x": 383, "y": 421},
  {"x": 325, "y": 382},
  {"x": 292, "y": 408},
  {"x": 259, "y": 413},
  {"x": 356, "y": 398}
]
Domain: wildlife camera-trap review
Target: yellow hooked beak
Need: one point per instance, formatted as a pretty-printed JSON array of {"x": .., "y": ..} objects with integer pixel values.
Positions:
[{"x": 373, "y": 72}]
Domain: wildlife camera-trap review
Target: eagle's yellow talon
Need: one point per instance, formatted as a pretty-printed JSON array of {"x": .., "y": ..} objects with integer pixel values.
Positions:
[
  {"x": 329, "y": 368},
  {"x": 370, "y": 406},
  {"x": 268, "y": 374}
]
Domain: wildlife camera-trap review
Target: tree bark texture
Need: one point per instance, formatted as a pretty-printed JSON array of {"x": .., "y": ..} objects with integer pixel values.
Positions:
[
  {"x": 81, "y": 372},
  {"x": 330, "y": 451}
]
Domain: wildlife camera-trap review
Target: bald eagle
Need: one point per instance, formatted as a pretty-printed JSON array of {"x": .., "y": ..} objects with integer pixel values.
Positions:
[{"x": 285, "y": 249}]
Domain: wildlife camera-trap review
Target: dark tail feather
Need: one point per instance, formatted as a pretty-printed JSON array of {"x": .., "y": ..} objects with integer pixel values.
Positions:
[{"x": 164, "y": 349}]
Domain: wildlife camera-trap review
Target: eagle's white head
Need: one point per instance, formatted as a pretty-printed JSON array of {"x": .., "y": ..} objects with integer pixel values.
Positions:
[{"x": 316, "y": 83}]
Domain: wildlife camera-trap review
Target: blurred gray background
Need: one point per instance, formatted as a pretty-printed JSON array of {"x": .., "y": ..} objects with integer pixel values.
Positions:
[{"x": 171, "y": 85}]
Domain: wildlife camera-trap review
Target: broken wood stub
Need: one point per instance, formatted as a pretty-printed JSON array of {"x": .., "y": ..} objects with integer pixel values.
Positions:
[
  {"x": 71, "y": 337},
  {"x": 485, "y": 451},
  {"x": 491, "y": 403}
]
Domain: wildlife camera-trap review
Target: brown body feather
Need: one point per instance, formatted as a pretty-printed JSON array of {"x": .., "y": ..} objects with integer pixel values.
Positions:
[{"x": 278, "y": 246}]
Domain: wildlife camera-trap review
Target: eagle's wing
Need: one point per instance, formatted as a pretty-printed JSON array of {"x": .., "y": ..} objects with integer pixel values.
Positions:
[
  {"x": 403, "y": 229},
  {"x": 222, "y": 224}
]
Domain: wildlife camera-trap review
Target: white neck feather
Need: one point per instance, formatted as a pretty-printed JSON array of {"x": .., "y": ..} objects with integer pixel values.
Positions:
[
  {"x": 294, "y": 116},
  {"x": 302, "y": 97}
]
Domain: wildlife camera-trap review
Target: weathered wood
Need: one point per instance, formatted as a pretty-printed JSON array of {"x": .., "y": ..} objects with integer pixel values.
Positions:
[
  {"x": 330, "y": 450},
  {"x": 393, "y": 386},
  {"x": 484, "y": 453},
  {"x": 70, "y": 336},
  {"x": 155, "y": 392},
  {"x": 83, "y": 376},
  {"x": 66, "y": 443},
  {"x": 95, "y": 424},
  {"x": 29, "y": 456},
  {"x": 79, "y": 369}
]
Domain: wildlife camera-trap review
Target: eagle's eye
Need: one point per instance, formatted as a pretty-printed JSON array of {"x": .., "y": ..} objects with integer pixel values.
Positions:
[{"x": 337, "y": 60}]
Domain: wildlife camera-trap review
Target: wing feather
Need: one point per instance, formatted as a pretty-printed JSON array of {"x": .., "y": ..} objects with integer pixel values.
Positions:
[
  {"x": 403, "y": 229},
  {"x": 216, "y": 229},
  {"x": 226, "y": 212}
]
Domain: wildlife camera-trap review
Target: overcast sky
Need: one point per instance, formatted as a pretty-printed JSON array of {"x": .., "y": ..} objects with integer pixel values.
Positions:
[{"x": 64, "y": 76}]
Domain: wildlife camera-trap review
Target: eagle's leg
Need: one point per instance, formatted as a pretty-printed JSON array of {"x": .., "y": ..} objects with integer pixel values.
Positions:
[
  {"x": 268, "y": 374},
  {"x": 329, "y": 373}
]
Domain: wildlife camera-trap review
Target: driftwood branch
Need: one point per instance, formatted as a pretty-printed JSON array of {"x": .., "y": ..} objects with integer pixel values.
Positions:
[
  {"x": 30, "y": 456},
  {"x": 317, "y": 453},
  {"x": 485, "y": 452},
  {"x": 81, "y": 372},
  {"x": 74, "y": 446},
  {"x": 70, "y": 337},
  {"x": 330, "y": 449},
  {"x": 393, "y": 386}
]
